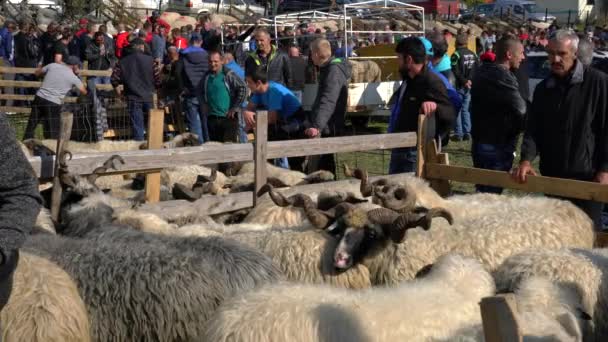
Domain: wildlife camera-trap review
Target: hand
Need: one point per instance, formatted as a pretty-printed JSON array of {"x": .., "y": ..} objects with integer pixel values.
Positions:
[
  {"x": 468, "y": 84},
  {"x": 311, "y": 132},
  {"x": 521, "y": 173},
  {"x": 601, "y": 177},
  {"x": 249, "y": 118},
  {"x": 428, "y": 108},
  {"x": 231, "y": 114}
]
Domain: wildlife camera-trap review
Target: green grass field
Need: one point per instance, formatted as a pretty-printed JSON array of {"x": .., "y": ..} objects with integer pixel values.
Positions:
[{"x": 377, "y": 162}]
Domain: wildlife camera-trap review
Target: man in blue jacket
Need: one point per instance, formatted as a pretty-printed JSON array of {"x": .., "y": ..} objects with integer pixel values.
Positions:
[
  {"x": 191, "y": 68},
  {"x": 7, "y": 53}
]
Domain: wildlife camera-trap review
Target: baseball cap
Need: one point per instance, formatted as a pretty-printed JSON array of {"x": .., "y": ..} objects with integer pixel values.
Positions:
[
  {"x": 83, "y": 21},
  {"x": 428, "y": 46},
  {"x": 195, "y": 37},
  {"x": 72, "y": 60}
]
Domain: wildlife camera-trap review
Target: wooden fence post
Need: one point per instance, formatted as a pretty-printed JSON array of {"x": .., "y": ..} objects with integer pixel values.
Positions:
[
  {"x": 64, "y": 135},
  {"x": 260, "y": 151},
  {"x": 421, "y": 146},
  {"x": 499, "y": 316},
  {"x": 155, "y": 140}
]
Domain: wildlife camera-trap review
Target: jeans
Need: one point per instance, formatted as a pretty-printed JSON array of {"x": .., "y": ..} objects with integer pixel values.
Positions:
[
  {"x": 137, "y": 108},
  {"x": 197, "y": 124},
  {"x": 403, "y": 160},
  {"x": 241, "y": 129},
  {"x": 25, "y": 91},
  {"x": 492, "y": 157},
  {"x": 463, "y": 119},
  {"x": 605, "y": 216}
]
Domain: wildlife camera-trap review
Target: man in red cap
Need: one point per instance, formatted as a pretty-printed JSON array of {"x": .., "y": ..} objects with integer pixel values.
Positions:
[
  {"x": 83, "y": 27},
  {"x": 155, "y": 19}
]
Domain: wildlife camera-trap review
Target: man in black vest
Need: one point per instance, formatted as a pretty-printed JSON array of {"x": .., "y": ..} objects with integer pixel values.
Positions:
[{"x": 140, "y": 78}]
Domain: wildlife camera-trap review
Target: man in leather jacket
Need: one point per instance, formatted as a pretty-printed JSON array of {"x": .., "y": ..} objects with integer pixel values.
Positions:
[
  {"x": 268, "y": 56},
  {"x": 497, "y": 110}
]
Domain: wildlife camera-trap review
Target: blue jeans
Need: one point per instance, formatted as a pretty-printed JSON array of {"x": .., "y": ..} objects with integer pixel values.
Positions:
[
  {"x": 137, "y": 108},
  {"x": 492, "y": 157},
  {"x": 241, "y": 128},
  {"x": 101, "y": 116},
  {"x": 281, "y": 162},
  {"x": 403, "y": 160},
  {"x": 463, "y": 120},
  {"x": 196, "y": 121}
]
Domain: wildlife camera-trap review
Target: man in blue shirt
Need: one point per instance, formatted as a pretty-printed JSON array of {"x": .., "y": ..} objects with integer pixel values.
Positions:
[{"x": 285, "y": 115}]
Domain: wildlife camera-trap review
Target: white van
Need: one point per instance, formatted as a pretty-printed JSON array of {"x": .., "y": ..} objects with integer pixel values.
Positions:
[{"x": 519, "y": 8}]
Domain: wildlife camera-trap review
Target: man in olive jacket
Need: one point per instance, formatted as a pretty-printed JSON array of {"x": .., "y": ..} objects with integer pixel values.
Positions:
[
  {"x": 19, "y": 205},
  {"x": 329, "y": 108}
]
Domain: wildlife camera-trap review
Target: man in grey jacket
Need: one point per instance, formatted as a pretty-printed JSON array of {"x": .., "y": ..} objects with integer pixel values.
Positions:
[
  {"x": 19, "y": 205},
  {"x": 223, "y": 94},
  {"x": 329, "y": 108}
]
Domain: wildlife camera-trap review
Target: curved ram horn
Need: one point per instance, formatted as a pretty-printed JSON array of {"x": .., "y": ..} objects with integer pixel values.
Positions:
[
  {"x": 109, "y": 164},
  {"x": 317, "y": 217},
  {"x": 277, "y": 197},
  {"x": 419, "y": 217},
  {"x": 277, "y": 183},
  {"x": 365, "y": 188},
  {"x": 397, "y": 197},
  {"x": 382, "y": 216},
  {"x": 339, "y": 210}
]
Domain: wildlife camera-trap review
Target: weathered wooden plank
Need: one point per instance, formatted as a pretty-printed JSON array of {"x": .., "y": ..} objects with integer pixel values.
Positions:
[
  {"x": 37, "y": 84},
  {"x": 156, "y": 120},
  {"x": 213, "y": 205},
  {"x": 547, "y": 185},
  {"x": 499, "y": 316},
  {"x": 421, "y": 145},
  {"x": 307, "y": 147},
  {"x": 138, "y": 161},
  {"x": 66, "y": 120},
  {"x": 17, "y": 110},
  {"x": 260, "y": 151},
  {"x": 83, "y": 72},
  {"x": 67, "y": 99}
]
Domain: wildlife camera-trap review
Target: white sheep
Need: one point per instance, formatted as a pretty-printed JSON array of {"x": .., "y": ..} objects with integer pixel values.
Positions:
[
  {"x": 442, "y": 306},
  {"x": 583, "y": 270},
  {"x": 44, "y": 305}
]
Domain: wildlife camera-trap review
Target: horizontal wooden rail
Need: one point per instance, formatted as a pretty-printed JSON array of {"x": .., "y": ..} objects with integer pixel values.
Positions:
[
  {"x": 213, "y": 205},
  {"x": 83, "y": 72},
  {"x": 547, "y": 185},
  {"x": 37, "y": 84},
  {"x": 146, "y": 160},
  {"x": 67, "y": 99}
]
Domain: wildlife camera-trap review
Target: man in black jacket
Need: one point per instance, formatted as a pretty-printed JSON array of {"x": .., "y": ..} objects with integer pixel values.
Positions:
[
  {"x": 27, "y": 54},
  {"x": 298, "y": 72},
  {"x": 421, "y": 92},
  {"x": 191, "y": 68},
  {"x": 329, "y": 108},
  {"x": 19, "y": 205},
  {"x": 498, "y": 110},
  {"x": 100, "y": 55},
  {"x": 269, "y": 57},
  {"x": 464, "y": 62},
  {"x": 138, "y": 74},
  {"x": 568, "y": 122}
]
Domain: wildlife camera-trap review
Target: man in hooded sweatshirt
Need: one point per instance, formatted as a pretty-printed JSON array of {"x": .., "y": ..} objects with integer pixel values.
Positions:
[{"x": 191, "y": 68}]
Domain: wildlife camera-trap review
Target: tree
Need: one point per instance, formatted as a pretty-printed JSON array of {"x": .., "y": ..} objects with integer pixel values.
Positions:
[{"x": 471, "y": 3}]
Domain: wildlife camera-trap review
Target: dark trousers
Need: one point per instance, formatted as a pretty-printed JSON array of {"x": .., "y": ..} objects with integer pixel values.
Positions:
[
  {"x": 47, "y": 113},
  {"x": 291, "y": 129},
  {"x": 591, "y": 208},
  {"x": 492, "y": 157},
  {"x": 6, "y": 276},
  {"x": 222, "y": 129}
]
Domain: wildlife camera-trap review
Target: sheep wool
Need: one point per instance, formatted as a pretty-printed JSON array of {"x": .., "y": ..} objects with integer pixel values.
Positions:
[
  {"x": 433, "y": 308},
  {"x": 44, "y": 305}
]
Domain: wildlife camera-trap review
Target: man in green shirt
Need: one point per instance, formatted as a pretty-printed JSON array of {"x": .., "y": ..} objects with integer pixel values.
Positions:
[{"x": 223, "y": 94}]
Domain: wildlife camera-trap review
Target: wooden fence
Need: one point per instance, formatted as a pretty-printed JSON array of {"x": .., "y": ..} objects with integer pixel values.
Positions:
[{"x": 499, "y": 316}]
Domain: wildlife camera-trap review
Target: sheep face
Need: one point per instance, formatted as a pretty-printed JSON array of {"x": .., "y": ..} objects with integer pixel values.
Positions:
[{"x": 364, "y": 234}]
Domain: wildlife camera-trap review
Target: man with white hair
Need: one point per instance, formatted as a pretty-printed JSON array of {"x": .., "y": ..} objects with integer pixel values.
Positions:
[{"x": 568, "y": 122}]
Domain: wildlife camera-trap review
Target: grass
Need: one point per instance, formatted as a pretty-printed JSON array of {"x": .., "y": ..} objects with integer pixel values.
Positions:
[{"x": 376, "y": 162}]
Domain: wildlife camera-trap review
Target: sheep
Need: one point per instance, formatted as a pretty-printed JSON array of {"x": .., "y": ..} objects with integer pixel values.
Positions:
[
  {"x": 393, "y": 249},
  {"x": 583, "y": 270},
  {"x": 44, "y": 305},
  {"x": 443, "y": 302}
]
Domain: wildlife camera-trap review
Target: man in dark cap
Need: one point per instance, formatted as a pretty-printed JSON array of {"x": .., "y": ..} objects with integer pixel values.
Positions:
[{"x": 155, "y": 19}]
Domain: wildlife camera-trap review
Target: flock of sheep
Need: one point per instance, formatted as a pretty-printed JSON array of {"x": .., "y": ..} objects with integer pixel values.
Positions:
[{"x": 366, "y": 261}]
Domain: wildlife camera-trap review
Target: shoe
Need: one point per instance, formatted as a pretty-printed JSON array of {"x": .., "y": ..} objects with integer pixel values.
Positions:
[
  {"x": 456, "y": 138},
  {"x": 466, "y": 137}
]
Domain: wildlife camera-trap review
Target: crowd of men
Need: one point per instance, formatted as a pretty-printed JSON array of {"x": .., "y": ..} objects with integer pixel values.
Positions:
[{"x": 480, "y": 95}]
